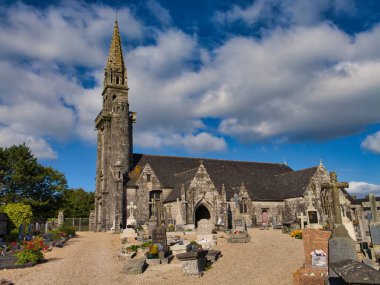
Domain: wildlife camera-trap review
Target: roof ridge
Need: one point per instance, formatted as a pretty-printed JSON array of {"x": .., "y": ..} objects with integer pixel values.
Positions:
[
  {"x": 183, "y": 172},
  {"x": 217, "y": 159}
]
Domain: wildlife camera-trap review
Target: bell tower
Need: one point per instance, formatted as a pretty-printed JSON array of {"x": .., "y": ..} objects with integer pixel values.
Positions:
[{"x": 115, "y": 147}]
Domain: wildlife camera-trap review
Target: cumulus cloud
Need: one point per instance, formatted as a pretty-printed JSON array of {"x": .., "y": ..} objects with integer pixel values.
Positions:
[
  {"x": 38, "y": 146},
  {"x": 199, "y": 143},
  {"x": 303, "y": 82},
  {"x": 372, "y": 143},
  {"x": 361, "y": 189},
  {"x": 286, "y": 12}
]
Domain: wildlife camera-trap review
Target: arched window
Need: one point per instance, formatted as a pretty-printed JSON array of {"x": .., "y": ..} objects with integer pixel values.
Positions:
[
  {"x": 244, "y": 206},
  {"x": 117, "y": 79}
]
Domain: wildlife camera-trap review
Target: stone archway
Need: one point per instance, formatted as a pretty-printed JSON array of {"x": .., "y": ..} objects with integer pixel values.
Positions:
[{"x": 201, "y": 213}]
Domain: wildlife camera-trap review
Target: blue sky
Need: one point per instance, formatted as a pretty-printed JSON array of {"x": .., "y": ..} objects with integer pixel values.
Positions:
[{"x": 269, "y": 81}]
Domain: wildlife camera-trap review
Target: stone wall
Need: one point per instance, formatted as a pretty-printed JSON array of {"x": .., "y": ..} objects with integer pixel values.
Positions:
[{"x": 274, "y": 209}]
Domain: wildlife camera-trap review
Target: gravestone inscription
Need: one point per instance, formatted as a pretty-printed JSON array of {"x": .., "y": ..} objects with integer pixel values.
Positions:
[{"x": 313, "y": 217}]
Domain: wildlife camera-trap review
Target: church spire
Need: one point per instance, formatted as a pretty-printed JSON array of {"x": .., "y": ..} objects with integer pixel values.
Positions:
[{"x": 115, "y": 71}]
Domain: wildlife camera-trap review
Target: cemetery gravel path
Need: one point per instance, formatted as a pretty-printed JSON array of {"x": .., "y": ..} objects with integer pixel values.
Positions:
[{"x": 91, "y": 258}]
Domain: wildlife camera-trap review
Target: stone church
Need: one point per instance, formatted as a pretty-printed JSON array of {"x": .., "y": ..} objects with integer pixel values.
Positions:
[{"x": 192, "y": 188}]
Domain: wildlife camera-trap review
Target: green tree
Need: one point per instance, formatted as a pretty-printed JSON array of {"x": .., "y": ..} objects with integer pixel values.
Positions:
[
  {"x": 24, "y": 180},
  {"x": 77, "y": 203},
  {"x": 19, "y": 213}
]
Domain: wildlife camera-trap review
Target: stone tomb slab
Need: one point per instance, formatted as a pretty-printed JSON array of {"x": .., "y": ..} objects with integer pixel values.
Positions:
[
  {"x": 354, "y": 272},
  {"x": 213, "y": 255},
  {"x": 135, "y": 266}
]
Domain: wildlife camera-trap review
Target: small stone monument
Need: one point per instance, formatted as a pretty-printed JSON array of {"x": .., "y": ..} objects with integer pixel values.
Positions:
[
  {"x": 193, "y": 263},
  {"x": 92, "y": 221},
  {"x": 204, "y": 234},
  {"x": 61, "y": 218},
  {"x": 3, "y": 224},
  {"x": 374, "y": 226},
  {"x": 21, "y": 232},
  {"x": 312, "y": 214},
  {"x": 302, "y": 218},
  {"x": 341, "y": 247},
  {"x": 131, "y": 219},
  {"x": 159, "y": 235},
  {"x": 314, "y": 270}
]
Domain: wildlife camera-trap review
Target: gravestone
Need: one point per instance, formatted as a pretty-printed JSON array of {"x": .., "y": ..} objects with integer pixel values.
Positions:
[
  {"x": 131, "y": 219},
  {"x": 314, "y": 270},
  {"x": 92, "y": 221},
  {"x": 204, "y": 234},
  {"x": 3, "y": 224},
  {"x": 21, "y": 232},
  {"x": 302, "y": 218},
  {"x": 61, "y": 218},
  {"x": 159, "y": 237},
  {"x": 312, "y": 214},
  {"x": 178, "y": 217},
  {"x": 341, "y": 247},
  {"x": 374, "y": 227}
]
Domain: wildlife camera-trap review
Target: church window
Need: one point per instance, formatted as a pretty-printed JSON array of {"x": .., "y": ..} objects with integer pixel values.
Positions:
[
  {"x": 244, "y": 206},
  {"x": 148, "y": 177},
  {"x": 113, "y": 97},
  {"x": 117, "y": 79}
]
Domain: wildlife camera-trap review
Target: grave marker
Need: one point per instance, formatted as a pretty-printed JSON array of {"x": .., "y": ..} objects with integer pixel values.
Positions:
[{"x": 3, "y": 224}]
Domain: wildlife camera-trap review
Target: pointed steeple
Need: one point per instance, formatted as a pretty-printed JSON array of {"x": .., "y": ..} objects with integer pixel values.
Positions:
[
  {"x": 115, "y": 71},
  {"x": 115, "y": 56}
]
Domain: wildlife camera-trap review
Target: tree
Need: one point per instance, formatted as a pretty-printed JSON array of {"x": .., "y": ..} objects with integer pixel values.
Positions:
[
  {"x": 24, "y": 180},
  {"x": 19, "y": 214},
  {"x": 77, "y": 203}
]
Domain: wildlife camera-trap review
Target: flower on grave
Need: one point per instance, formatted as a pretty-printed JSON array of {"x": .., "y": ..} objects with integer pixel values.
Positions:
[
  {"x": 31, "y": 251},
  {"x": 153, "y": 249},
  {"x": 296, "y": 234},
  {"x": 318, "y": 252}
]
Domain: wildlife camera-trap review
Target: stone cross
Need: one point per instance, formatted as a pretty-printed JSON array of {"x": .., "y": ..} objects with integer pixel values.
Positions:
[
  {"x": 153, "y": 203},
  {"x": 334, "y": 185},
  {"x": 236, "y": 200},
  {"x": 170, "y": 210},
  {"x": 159, "y": 209},
  {"x": 131, "y": 207},
  {"x": 372, "y": 201},
  {"x": 303, "y": 219}
]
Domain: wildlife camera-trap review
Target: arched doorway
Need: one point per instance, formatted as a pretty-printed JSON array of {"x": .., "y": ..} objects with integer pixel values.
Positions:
[{"x": 201, "y": 213}]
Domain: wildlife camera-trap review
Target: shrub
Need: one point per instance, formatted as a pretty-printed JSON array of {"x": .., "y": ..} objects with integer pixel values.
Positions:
[
  {"x": 68, "y": 230},
  {"x": 171, "y": 228},
  {"x": 32, "y": 251},
  {"x": 18, "y": 213}
]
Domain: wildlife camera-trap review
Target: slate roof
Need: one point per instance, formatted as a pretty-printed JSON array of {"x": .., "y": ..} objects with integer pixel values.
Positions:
[
  {"x": 292, "y": 184},
  {"x": 264, "y": 181}
]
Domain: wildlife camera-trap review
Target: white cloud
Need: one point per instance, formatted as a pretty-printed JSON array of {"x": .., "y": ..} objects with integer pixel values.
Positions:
[
  {"x": 308, "y": 82},
  {"x": 362, "y": 189},
  {"x": 271, "y": 12},
  {"x": 161, "y": 13},
  {"x": 39, "y": 146},
  {"x": 199, "y": 143},
  {"x": 372, "y": 143}
]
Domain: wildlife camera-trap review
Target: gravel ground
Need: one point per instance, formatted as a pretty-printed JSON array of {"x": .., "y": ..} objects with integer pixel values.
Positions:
[{"x": 91, "y": 258}]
